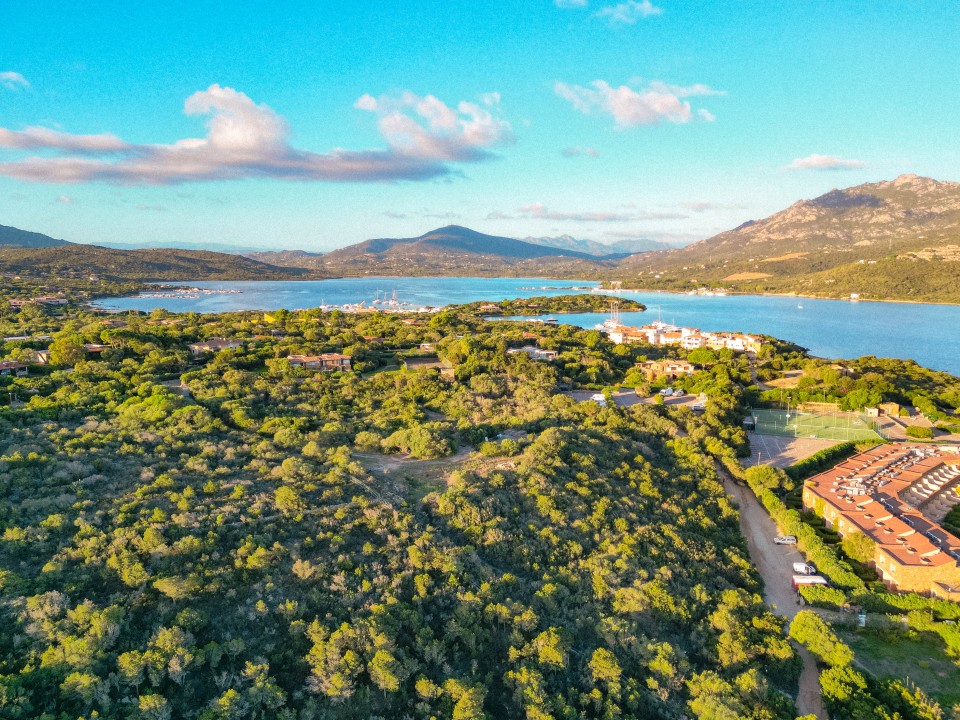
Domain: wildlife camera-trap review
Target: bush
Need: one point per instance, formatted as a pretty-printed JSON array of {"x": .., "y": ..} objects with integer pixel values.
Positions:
[
  {"x": 921, "y": 433},
  {"x": 814, "y": 634}
]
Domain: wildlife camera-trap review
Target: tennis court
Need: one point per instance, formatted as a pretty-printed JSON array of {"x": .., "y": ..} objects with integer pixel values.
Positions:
[{"x": 838, "y": 426}]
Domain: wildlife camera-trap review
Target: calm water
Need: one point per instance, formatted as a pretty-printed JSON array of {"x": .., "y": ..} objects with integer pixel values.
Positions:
[{"x": 929, "y": 334}]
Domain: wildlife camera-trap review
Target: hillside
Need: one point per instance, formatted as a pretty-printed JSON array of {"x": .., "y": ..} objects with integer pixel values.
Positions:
[
  {"x": 153, "y": 264},
  {"x": 451, "y": 250},
  {"x": 14, "y": 237},
  {"x": 897, "y": 239}
]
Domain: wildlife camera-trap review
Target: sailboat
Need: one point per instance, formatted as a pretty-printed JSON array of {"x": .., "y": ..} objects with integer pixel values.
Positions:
[{"x": 612, "y": 322}]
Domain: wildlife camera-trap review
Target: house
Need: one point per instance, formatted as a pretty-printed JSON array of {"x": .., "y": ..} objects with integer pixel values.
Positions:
[
  {"x": 896, "y": 496},
  {"x": 668, "y": 368},
  {"x": 12, "y": 367},
  {"x": 37, "y": 357},
  {"x": 49, "y": 300},
  {"x": 95, "y": 348},
  {"x": 214, "y": 345},
  {"x": 534, "y": 353},
  {"x": 327, "y": 362}
]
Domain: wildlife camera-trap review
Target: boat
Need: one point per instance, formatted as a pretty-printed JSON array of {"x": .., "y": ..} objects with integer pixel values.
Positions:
[{"x": 612, "y": 322}]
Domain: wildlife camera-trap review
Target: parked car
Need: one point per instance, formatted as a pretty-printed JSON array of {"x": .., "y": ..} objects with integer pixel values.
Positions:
[
  {"x": 802, "y": 568},
  {"x": 699, "y": 407},
  {"x": 679, "y": 392},
  {"x": 785, "y": 540},
  {"x": 599, "y": 398},
  {"x": 667, "y": 392}
]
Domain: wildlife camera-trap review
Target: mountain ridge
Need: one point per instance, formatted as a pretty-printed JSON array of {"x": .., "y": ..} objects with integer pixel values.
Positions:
[
  {"x": 11, "y": 237},
  {"x": 815, "y": 245}
]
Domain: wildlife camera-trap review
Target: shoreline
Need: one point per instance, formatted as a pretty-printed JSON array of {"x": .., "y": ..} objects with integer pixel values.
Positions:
[{"x": 785, "y": 294}]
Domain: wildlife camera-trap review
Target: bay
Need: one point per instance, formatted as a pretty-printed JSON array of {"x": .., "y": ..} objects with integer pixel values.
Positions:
[{"x": 929, "y": 334}]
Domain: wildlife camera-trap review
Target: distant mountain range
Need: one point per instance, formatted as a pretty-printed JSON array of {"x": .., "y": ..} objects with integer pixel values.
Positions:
[
  {"x": 894, "y": 239},
  {"x": 592, "y": 247},
  {"x": 898, "y": 239},
  {"x": 451, "y": 250}
]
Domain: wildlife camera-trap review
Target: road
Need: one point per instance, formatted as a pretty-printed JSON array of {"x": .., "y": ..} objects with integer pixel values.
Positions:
[{"x": 775, "y": 563}]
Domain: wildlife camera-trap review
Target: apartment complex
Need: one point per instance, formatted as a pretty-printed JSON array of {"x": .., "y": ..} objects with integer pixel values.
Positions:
[
  {"x": 897, "y": 496},
  {"x": 659, "y": 333}
]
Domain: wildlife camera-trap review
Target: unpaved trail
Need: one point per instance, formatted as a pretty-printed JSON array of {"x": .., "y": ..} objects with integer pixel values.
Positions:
[{"x": 775, "y": 565}]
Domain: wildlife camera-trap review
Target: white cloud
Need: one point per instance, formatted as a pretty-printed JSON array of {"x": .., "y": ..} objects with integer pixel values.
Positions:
[
  {"x": 13, "y": 80},
  {"x": 538, "y": 211},
  {"x": 824, "y": 162},
  {"x": 652, "y": 105},
  {"x": 64, "y": 200},
  {"x": 628, "y": 12},
  {"x": 570, "y": 3},
  {"x": 244, "y": 139},
  {"x": 577, "y": 151}
]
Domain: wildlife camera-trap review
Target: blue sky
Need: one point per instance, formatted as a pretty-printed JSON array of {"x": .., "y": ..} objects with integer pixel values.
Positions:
[{"x": 315, "y": 125}]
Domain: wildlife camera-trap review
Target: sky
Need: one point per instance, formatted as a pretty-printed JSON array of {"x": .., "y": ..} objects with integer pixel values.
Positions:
[{"x": 314, "y": 125}]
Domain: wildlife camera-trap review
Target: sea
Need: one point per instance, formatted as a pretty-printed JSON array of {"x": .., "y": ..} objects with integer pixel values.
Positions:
[{"x": 929, "y": 334}]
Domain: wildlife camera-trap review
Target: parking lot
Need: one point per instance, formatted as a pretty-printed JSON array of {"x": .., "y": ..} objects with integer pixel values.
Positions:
[{"x": 625, "y": 398}]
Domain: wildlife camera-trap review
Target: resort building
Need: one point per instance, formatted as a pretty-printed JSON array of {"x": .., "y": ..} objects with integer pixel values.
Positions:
[
  {"x": 659, "y": 333},
  {"x": 897, "y": 496},
  {"x": 327, "y": 362}
]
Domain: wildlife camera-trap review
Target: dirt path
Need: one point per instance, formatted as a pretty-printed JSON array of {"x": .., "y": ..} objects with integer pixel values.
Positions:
[{"x": 775, "y": 565}]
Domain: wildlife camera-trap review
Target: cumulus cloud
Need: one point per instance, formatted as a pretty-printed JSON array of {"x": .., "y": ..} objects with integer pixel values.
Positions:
[
  {"x": 13, "y": 80},
  {"x": 244, "y": 139},
  {"x": 656, "y": 103},
  {"x": 538, "y": 211},
  {"x": 824, "y": 162},
  {"x": 628, "y": 12},
  {"x": 578, "y": 151}
]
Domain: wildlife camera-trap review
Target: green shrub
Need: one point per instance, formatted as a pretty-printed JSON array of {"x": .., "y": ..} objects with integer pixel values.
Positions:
[{"x": 921, "y": 433}]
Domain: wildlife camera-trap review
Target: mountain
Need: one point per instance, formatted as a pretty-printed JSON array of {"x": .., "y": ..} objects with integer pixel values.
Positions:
[
  {"x": 14, "y": 237},
  {"x": 592, "y": 247},
  {"x": 72, "y": 260},
  {"x": 451, "y": 250},
  {"x": 898, "y": 239}
]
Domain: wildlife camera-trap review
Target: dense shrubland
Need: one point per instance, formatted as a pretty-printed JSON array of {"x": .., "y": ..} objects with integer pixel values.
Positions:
[{"x": 215, "y": 547}]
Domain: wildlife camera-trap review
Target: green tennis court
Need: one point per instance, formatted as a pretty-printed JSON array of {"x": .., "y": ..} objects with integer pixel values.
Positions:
[{"x": 823, "y": 426}]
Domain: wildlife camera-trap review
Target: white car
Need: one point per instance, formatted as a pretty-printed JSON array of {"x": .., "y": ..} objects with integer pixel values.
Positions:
[
  {"x": 667, "y": 392},
  {"x": 599, "y": 398},
  {"x": 679, "y": 392},
  {"x": 785, "y": 540}
]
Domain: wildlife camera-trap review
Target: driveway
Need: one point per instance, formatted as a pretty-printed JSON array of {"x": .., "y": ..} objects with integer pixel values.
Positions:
[{"x": 775, "y": 563}]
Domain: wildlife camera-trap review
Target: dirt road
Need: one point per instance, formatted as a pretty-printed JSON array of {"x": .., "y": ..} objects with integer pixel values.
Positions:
[{"x": 775, "y": 563}]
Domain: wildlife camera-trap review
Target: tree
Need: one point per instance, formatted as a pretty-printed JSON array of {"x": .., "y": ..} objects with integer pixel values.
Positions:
[
  {"x": 66, "y": 352},
  {"x": 813, "y": 633}
]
